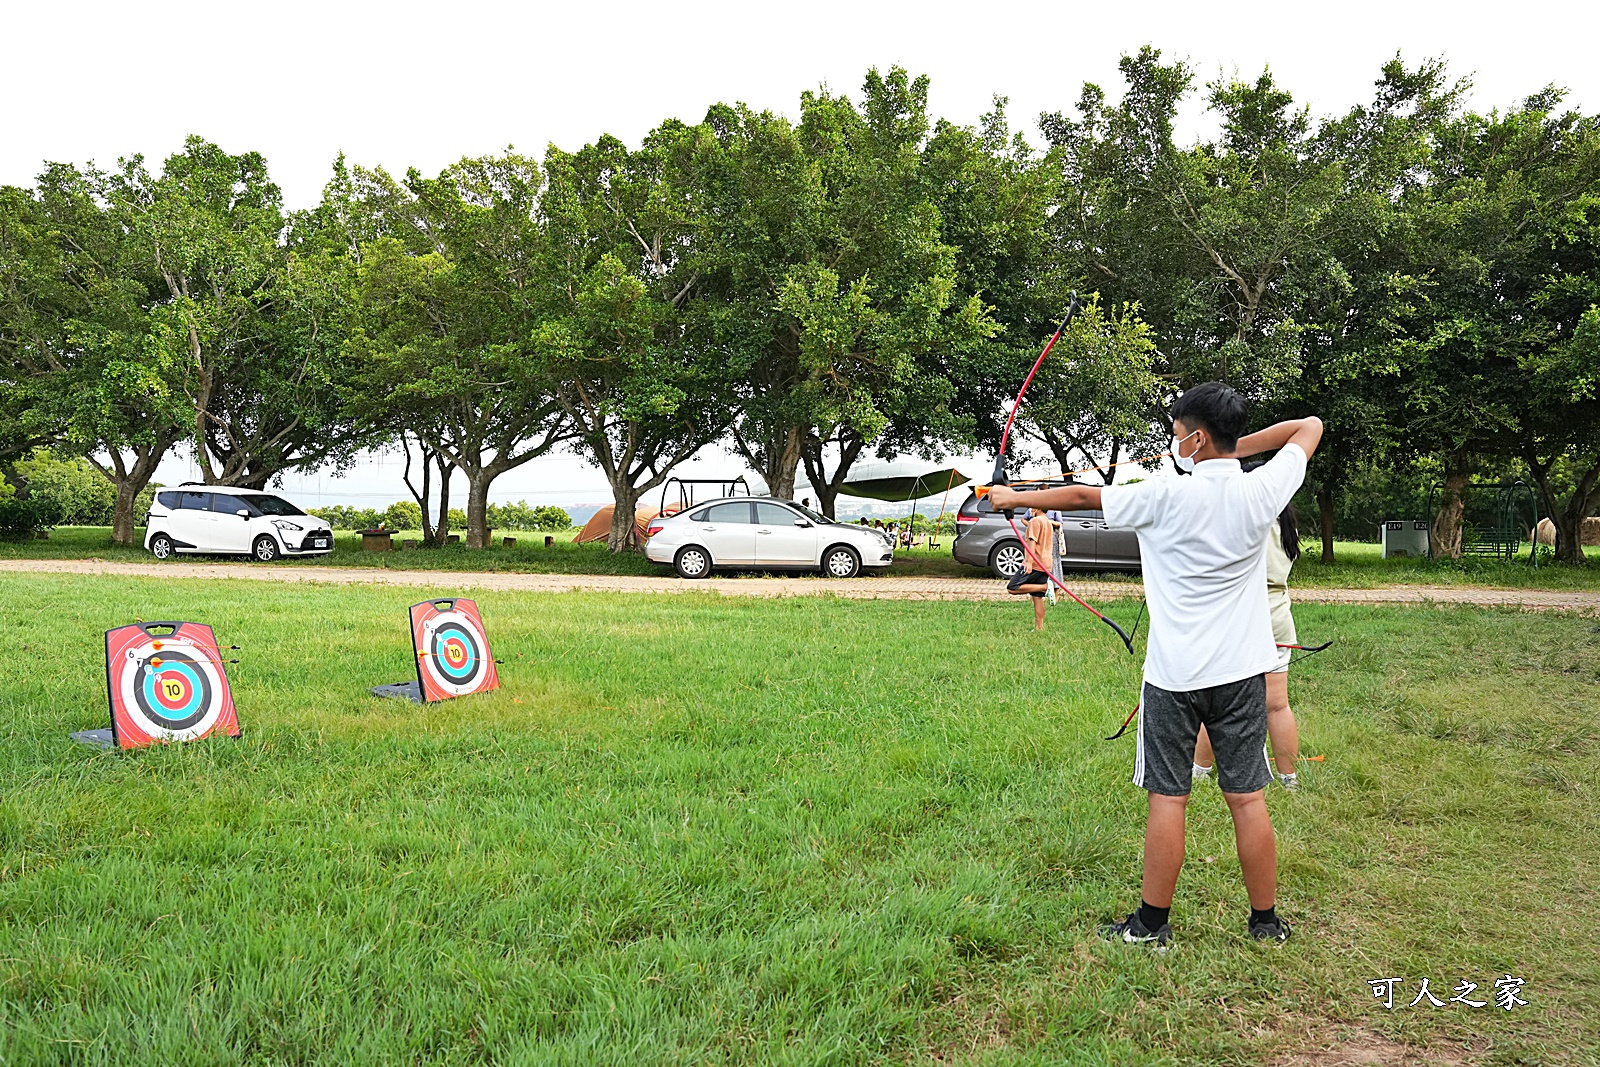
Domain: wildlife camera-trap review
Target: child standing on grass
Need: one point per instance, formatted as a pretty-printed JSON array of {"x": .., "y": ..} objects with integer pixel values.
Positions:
[
  {"x": 1031, "y": 580},
  {"x": 1202, "y": 540}
]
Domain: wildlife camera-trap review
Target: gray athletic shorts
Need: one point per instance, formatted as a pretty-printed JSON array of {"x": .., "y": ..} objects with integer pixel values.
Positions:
[{"x": 1235, "y": 716}]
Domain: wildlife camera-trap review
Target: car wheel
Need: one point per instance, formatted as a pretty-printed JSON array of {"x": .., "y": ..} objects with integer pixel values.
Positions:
[
  {"x": 692, "y": 561},
  {"x": 161, "y": 546},
  {"x": 1007, "y": 559},
  {"x": 265, "y": 549},
  {"x": 841, "y": 562}
]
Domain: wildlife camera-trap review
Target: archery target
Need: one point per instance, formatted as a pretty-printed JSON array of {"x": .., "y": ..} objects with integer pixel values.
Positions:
[
  {"x": 166, "y": 683},
  {"x": 453, "y": 657}
]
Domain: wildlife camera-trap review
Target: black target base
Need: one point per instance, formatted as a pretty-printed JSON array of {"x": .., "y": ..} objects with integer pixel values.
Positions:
[
  {"x": 411, "y": 691},
  {"x": 96, "y": 738}
]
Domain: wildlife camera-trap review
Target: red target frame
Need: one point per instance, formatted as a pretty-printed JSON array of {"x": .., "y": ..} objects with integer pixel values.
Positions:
[
  {"x": 452, "y": 649},
  {"x": 165, "y": 682}
]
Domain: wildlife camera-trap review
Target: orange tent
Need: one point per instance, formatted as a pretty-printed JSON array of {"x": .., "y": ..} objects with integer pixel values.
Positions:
[{"x": 598, "y": 528}]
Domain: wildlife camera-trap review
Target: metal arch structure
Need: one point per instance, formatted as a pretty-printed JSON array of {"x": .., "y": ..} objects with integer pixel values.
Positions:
[
  {"x": 1498, "y": 541},
  {"x": 686, "y": 500}
]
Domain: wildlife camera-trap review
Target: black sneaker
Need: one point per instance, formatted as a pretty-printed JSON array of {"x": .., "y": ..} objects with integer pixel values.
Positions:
[
  {"x": 1276, "y": 931},
  {"x": 1133, "y": 932}
]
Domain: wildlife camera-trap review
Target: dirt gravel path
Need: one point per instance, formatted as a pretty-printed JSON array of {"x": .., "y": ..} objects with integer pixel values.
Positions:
[{"x": 868, "y": 588}]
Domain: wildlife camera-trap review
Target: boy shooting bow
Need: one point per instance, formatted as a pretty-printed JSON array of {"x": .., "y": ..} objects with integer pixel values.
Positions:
[{"x": 1202, "y": 540}]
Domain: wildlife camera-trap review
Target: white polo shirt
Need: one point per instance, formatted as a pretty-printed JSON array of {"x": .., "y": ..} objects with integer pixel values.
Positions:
[{"x": 1202, "y": 544}]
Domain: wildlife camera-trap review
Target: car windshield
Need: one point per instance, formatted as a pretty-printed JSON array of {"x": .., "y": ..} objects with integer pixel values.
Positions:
[
  {"x": 271, "y": 505},
  {"x": 812, "y": 515}
]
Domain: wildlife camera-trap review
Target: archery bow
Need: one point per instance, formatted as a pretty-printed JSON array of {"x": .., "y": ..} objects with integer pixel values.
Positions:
[
  {"x": 1306, "y": 650},
  {"x": 999, "y": 478}
]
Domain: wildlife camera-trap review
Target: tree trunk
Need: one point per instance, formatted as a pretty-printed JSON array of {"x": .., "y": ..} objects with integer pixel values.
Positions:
[
  {"x": 424, "y": 498},
  {"x": 777, "y": 468},
  {"x": 1325, "y": 520},
  {"x": 441, "y": 526},
  {"x": 1445, "y": 536},
  {"x": 1568, "y": 520},
  {"x": 1569, "y": 537},
  {"x": 129, "y": 482},
  {"x": 1108, "y": 473},
  {"x": 1062, "y": 448},
  {"x": 478, "y": 506},
  {"x": 434, "y": 531},
  {"x": 828, "y": 486},
  {"x": 122, "y": 517},
  {"x": 624, "y": 535},
  {"x": 255, "y": 481}
]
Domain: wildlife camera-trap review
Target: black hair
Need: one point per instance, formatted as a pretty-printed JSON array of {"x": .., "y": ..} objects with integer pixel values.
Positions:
[
  {"x": 1289, "y": 533},
  {"x": 1214, "y": 407},
  {"x": 1288, "y": 521}
]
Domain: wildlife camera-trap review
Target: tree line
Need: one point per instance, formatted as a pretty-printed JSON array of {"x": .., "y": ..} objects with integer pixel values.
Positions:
[{"x": 858, "y": 279}]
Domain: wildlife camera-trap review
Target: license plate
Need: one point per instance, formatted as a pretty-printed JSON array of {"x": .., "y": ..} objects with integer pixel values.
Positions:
[{"x": 321, "y": 542}]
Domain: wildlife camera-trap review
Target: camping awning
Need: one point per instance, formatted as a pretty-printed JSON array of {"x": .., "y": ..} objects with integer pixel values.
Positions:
[{"x": 905, "y": 487}]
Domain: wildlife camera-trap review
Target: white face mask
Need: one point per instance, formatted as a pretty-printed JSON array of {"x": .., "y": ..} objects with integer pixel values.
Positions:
[{"x": 1185, "y": 463}]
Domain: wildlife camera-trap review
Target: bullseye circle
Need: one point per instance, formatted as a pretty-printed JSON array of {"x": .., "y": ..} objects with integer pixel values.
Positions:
[
  {"x": 173, "y": 693},
  {"x": 453, "y": 653}
]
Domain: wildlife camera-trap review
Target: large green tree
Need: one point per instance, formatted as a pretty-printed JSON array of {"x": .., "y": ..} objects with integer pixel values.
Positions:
[
  {"x": 632, "y": 345},
  {"x": 244, "y": 320},
  {"x": 995, "y": 196},
  {"x": 831, "y": 253},
  {"x": 78, "y": 302},
  {"x": 1352, "y": 316},
  {"x": 1113, "y": 225},
  {"x": 1513, "y": 218},
  {"x": 1490, "y": 363},
  {"x": 1219, "y": 242},
  {"x": 450, "y": 279}
]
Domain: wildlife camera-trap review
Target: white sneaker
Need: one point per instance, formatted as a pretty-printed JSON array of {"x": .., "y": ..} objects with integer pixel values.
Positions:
[
  {"x": 1197, "y": 772},
  {"x": 1291, "y": 781}
]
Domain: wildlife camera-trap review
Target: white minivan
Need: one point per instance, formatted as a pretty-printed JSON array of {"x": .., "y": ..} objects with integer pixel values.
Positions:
[{"x": 221, "y": 519}]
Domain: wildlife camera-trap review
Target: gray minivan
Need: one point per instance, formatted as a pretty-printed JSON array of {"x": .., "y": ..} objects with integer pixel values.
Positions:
[{"x": 985, "y": 539}]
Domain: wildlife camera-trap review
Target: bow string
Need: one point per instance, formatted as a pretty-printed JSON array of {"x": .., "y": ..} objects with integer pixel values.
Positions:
[{"x": 999, "y": 478}]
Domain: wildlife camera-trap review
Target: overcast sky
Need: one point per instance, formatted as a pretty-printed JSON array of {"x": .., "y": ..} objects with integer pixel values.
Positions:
[{"x": 402, "y": 84}]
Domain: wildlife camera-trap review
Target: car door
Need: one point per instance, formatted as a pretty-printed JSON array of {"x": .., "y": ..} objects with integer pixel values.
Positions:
[
  {"x": 192, "y": 520},
  {"x": 728, "y": 532},
  {"x": 231, "y": 530},
  {"x": 1115, "y": 548},
  {"x": 1080, "y": 530},
  {"x": 783, "y": 536}
]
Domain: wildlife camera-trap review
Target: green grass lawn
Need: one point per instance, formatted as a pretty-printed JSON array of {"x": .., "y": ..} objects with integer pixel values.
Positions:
[
  {"x": 529, "y": 556},
  {"x": 696, "y": 829},
  {"x": 1357, "y": 565}
]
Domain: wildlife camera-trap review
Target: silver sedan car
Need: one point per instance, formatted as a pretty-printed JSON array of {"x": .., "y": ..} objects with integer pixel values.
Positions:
[{"x": 763, "y": 533}]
